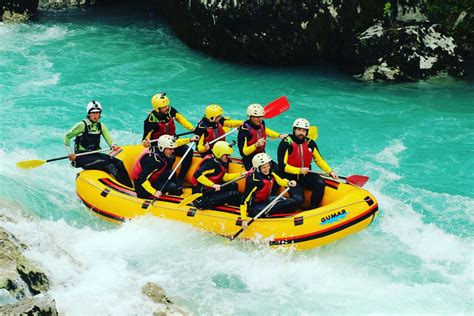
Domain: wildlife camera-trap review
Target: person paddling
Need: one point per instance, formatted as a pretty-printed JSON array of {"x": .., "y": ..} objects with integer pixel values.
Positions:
[
  {"x": 261, "y": 187},
  {"x": 211, "y": 126},
  {"x": 252, "y": 136},
  {"x": 211, "y": 172},
  {"x": 153, "y": 167},
  {"x": 87, "y": 135},
  {"x": 295, "y": 154},
  {"x": 161, "y": 121}
]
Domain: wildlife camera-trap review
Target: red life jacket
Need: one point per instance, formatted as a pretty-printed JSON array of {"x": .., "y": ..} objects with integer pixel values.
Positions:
[
  {"x": 217, "y": 179},
  {"x": 300, "y": 156},
  {"x": 255, "y": 135},
  {"x": 213, "y": 133},
  {"x": 264, "y": 193},
  {"x": 137, "y": 168},
  {"x": 168, "y": 128}
]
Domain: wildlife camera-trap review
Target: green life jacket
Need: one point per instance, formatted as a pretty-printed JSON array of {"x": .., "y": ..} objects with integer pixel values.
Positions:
[{"x": 88, "y": 140}]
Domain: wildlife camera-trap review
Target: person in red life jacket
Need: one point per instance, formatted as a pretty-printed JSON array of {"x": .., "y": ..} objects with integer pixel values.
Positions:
[
  {"x": 211, "y": 127},
  {"x": 295, "y": 154},
  {"x": 211, "y": 173},
  {"x": 161, "y": 121},
  {"x": 87, "y": 134},
  {"x": 153, "y": 167},
  {"x": 261, "y": 187},
  {"x": 252, "y": 136}
]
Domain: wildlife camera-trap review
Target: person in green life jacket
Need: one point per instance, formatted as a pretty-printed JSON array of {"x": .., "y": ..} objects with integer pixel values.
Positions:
[
  {"x": 87, "y": 135},
  {"x": 252, "y": 136},
  {"x": 295, "y": 154},
  {"x": 161, "y": 121},
  {"x": 212, "y": 126},
  {"x": 261, "y": 188}
]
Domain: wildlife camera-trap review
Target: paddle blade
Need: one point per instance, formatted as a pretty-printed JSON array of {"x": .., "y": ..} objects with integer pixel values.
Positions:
[
  {"x": 276, "y": 107},
  {"x": 357, "y": 180},
  {"x": 190, "y": 198},
  {"x": 30, "y": 164},
  {"x": 313, "y": 132}
]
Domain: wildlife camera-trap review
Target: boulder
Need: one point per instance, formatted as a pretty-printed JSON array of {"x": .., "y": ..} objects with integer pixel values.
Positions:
[
  {"x": 408, "y": 51},
  {"x": 22, "y": 283},
  {"x": 18, "y": 10}
]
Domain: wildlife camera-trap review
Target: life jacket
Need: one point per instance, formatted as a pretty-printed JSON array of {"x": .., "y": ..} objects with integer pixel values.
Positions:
[
  {"x": 164, "y": 128},
  {"x": 255, "y": 135},
  {"x": 137, "y": 166},
  {"x": 217, "y": 179},
  {"x": 88, "y": 140},
  {"x": 264, "y": 193},
  {"x": 300, "y": 155},
  {"x": 213, "y": 133}
]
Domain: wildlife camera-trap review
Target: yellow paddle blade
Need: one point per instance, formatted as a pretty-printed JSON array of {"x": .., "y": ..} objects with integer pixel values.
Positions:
[
  {"x": 313, "y": 132},
  {"x": 30, "y": 164},
  {"x": 190, "y": 198}
]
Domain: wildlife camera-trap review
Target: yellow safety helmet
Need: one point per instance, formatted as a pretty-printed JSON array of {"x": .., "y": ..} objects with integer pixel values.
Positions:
[
  {"x": 160, "y": 100},
  {"x": 222, "y": 148},
  {"x": 213, "y": 111}
]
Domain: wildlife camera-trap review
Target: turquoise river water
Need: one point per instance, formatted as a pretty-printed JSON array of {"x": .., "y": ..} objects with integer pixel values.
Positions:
[{"x": 415, "y": 141}]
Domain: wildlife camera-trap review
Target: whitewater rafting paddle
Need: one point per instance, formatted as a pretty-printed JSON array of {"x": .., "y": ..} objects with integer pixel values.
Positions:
[
  {"x": 266, "y": 209},
  {"x": 30, "y": 164},
  {"x": 276, "y": 107},
  {"x": 355, "y": 179}
]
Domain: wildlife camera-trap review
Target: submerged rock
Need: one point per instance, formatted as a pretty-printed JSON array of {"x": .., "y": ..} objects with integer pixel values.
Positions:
[
  {"x": 158, "y": 296},
  {"x": 37, "y": 305}
]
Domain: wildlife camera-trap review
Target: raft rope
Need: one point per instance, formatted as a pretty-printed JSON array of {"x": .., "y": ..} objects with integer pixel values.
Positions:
[{"x": 132, "y": 199}]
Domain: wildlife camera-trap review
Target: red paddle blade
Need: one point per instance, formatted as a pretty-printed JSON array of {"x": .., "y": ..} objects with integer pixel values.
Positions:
[
  {"x": 276, "y": 107},
  {"x": 357, "y": 180}
]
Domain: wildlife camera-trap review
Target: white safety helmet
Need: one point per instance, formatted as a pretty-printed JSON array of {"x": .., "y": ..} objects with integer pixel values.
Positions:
[
  {"x": 166, "y": 141},
  {"x": 301, "y": 123},
  {"x": 94, "y": 107},
  {"x": 260, "y": 159},
  {"x": 255, "y": 110}
]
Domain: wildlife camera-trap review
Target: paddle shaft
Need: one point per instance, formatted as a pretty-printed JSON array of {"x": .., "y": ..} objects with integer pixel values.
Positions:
[
  {"x": 177, "y": 166},
  {"x": 81, "y": 154},
  {"x": 266, "y": 209},
  {"x": 222, "y": 136}
]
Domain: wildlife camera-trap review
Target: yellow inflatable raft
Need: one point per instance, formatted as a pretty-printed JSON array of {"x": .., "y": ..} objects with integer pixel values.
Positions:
[{"x": 345, "y": 209}]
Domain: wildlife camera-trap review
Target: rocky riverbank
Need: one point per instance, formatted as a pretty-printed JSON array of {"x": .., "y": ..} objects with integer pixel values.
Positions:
[
  {"x": 24, "y": 284},
  {"x": 395, "y": 40}
]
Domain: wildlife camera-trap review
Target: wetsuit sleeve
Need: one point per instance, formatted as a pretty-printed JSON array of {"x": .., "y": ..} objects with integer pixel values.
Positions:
[
  {"x": 231, "y": 123},
  {"x": 281, "y": 181},
  {"x": 144, "y": 176},
  {"x": 73, "y": 132},
  {"x": 283, "y": 158},
  {"x": 201, "y": 132},
  {"x": 106, "y": 135},
  {"x": 182, "y": 141},
  {"x": 148, "y": 127},
  {"x": 183, "y": 121},
  {"x": 318, "y": 159},
  {"x": 230, "y": 176},
  {"x": 248, "y": 194},
  {"x": 242, "y": 142},
  {"x": 201, "y": 174},
  {"x": 271, "y": 133}
]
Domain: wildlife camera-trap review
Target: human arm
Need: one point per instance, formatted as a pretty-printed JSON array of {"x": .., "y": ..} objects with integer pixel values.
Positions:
[
  {"x": 318, "y": 159},
  {"x": 283, "y": 152},
  {"x": 183, "y": 121},
  {"x": 73, "y": 132}
]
